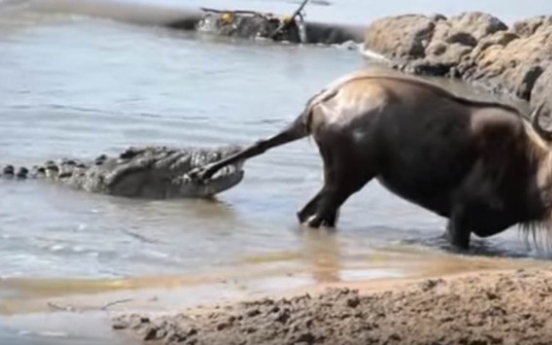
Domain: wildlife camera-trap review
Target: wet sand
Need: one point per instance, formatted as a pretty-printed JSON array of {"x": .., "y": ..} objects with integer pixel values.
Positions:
[
  {"x": 266, "y": 276},
  {"x": 129, "y": 311},
  {"x": 495, "y": 307}
]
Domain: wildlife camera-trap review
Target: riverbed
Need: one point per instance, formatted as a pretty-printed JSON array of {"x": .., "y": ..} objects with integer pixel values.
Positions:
[{"x": 77, "y": 86}]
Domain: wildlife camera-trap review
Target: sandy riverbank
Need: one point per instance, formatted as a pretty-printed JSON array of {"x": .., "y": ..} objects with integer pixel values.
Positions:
[
  {"x": 494, "y": 307},
  {"x": 84, "y": 312}
]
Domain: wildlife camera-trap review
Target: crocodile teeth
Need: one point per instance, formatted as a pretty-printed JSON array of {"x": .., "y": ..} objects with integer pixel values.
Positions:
[{"x": 227, "y": 170}]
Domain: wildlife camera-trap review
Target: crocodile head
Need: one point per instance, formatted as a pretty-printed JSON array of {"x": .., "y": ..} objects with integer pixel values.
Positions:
[{"x": 161, "y": 173}]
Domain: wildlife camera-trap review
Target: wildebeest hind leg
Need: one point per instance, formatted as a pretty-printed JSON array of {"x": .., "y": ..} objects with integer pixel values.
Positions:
[
  {"x": 342, "y": 179},
  {"x": 458, "y": 232},
  {"x": 330, "y": 202},
  {"x": 310, "y": 208}
]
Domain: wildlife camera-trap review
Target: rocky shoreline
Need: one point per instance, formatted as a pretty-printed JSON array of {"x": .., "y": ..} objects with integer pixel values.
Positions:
[
  {"x": 511, "y": 307},
  {"x": 475, "y": 47}
]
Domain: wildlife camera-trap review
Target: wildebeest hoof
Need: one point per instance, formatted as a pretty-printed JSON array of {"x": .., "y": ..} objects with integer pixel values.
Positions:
[
  {"x": 302, "y": 217},
  {"x": 316, "y": 222}
]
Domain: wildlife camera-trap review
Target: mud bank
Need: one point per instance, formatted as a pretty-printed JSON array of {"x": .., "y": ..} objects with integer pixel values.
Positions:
[
  {"x": 473, "y": 46},
  {"x": 507, "y": 307}
]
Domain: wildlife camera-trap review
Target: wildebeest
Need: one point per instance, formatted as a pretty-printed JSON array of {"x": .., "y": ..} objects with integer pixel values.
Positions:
[{"x": 479, "y": 164}]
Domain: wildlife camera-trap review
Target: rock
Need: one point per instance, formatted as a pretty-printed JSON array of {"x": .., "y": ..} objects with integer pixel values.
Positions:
[
  {"x": 531, "y": 26},
  {"x": 402, "y": 37},
  {"x": 462, "y": 38},
  {"x": 500, "y": 39},
  {"x": 542, "y": 92},
  {"x": 464, "y": 30},
  {"x": 517, "y": 65},
  {"x": 432, "y": 45},
  {"x": 477, "y": 24},
  {"x": 473, "y": 46},
  {"x": 430, "y": 284},
  {"x": 408, "y": 36},
  {"x": 454, "y": 39},
  {"x": 353, "y": 302},
  {"x": 447, "y": 54}
]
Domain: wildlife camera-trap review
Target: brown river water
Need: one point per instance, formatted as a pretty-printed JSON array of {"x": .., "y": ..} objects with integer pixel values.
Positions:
[{"x": 77, "y": 86}]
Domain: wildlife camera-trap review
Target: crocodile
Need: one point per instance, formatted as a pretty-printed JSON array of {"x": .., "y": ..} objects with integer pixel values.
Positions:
[{"x": 151, "y": 172}]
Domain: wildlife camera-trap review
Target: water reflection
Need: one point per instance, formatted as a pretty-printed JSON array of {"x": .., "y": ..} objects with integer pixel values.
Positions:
[{"x": 322, "y": 254}]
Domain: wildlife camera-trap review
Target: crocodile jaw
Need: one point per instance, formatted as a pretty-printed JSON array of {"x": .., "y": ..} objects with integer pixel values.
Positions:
[
  {"x": 174, "y": 183},
  {"x": 225, "y": 179}
]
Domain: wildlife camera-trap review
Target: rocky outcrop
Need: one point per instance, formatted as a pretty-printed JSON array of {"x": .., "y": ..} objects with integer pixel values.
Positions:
[
  {"x": 476, "y": 47},
  {"x": 139, "y": 172},
  {"x": 530, "y": 26},
  {"x": 402, "y": 37}
]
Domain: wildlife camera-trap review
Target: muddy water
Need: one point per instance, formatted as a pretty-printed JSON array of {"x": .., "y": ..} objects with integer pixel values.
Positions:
[{"x": 73, "y": 86}]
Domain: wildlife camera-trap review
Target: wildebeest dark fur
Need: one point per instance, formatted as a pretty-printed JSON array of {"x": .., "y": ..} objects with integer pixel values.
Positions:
[{"x": 479, "y": 164}]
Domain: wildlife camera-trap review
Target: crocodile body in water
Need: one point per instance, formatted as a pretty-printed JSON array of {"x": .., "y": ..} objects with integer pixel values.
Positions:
[{"x": 139, "y": 172}]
